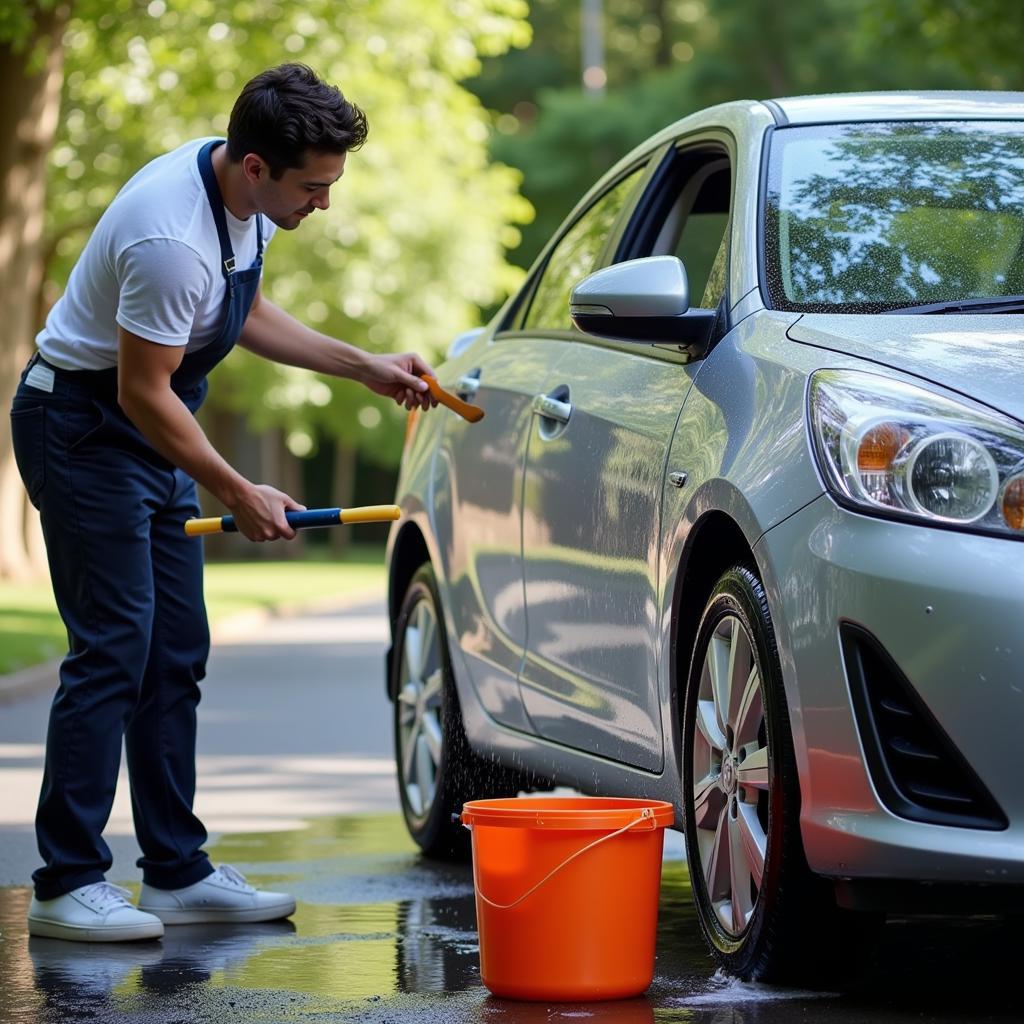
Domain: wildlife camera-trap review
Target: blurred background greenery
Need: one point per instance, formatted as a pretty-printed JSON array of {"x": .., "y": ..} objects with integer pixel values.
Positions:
[{"x": 488, "y": 120}]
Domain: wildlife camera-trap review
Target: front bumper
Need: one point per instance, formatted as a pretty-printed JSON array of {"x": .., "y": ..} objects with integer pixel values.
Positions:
[{"x": 949, "y": 609}]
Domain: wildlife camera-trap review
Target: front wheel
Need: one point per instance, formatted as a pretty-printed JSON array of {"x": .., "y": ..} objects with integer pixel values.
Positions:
[
  {"x": 763, "y": 914},
  {"x": 438, "y": 771}
]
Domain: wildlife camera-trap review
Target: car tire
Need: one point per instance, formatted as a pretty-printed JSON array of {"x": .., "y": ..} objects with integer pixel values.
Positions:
[
  {"x": 763, "y": 914},
  {"x": 437, "y": 768}
]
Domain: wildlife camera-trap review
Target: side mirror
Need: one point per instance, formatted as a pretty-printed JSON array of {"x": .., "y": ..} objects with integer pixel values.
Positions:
[{"x": 645, "y": 301}]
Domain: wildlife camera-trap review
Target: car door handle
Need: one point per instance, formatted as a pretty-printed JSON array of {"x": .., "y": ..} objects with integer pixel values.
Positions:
[
  {"x": 468, "y": 385},
  {"x": 551, "y": 408}
]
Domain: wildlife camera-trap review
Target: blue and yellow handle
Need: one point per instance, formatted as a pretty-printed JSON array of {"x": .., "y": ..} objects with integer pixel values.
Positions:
[{"x": 302, "y": 520}]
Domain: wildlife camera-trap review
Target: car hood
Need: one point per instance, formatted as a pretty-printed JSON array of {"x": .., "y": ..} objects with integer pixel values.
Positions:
[{"x": 979, "y": 356}]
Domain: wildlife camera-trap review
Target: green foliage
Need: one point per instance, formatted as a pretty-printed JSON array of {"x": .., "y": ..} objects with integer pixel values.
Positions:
[
  {"x": 414, "y": 243},
  {"x": 667, "y": 58},
  {"x": 29, "y": 29},
  {"x": 577, "y": 137},
  {"x": 574, "y": 256},
  {"x": 980, "y": 39},
  {"x": 18, "y": 21}
]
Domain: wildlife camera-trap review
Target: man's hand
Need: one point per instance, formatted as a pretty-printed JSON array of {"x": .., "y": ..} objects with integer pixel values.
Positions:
[
  {"x": 398, "y": 377},
  {"x": 259, "y": 512}
]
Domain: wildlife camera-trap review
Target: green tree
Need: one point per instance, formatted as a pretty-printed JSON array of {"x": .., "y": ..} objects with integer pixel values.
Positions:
[
  {"x": 31, "y": 58},
  {"x": 667, "y": 59},
  {"x": 982, "y": 39},
  {"x": 415, "y": 241}
]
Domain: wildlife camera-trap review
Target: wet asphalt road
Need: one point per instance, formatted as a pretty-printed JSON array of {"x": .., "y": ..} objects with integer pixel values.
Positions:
[{"x": 382, "y": 935}]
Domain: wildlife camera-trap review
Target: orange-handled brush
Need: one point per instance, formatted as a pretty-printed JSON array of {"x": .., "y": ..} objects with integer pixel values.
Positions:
[{"x": 469, "y": 412}]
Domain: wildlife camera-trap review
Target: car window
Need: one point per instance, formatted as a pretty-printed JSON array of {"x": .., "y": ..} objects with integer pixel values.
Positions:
[
  {"x": 575, "y": 256},
  {"x": 714, "y": 289},
  {"x": 694, "y": 224},
  {"x": 703, "y": 238},
  {"x": 861, "y": 218}
]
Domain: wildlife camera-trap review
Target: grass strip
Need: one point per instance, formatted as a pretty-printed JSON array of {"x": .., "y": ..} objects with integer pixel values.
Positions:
[{"x": 31, "y": 630}]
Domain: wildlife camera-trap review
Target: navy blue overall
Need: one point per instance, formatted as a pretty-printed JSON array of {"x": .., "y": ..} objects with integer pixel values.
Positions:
[{"x": 129, "y": 586}]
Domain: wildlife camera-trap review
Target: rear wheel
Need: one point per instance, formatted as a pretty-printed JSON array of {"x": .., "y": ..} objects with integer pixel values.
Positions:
[
  {"x": 763, "y": 913},
  {"x": 437, "y": 769}
]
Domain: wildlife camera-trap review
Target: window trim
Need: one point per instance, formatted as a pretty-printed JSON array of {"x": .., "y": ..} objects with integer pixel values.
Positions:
[
  {"x": 513, "y": 320},
  {"x": 660, "y": 160},
  {"x": 715, "y": 143},
  {"x": 664, "y": 352},
  {"x": 762, "y": 217},
  {"x": 642, "y": 176}
]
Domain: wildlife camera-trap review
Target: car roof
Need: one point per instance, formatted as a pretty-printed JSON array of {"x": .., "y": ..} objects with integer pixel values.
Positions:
[{"x": 898, "y": 106}]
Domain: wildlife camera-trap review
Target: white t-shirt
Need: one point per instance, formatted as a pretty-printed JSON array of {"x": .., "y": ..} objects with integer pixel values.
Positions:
[{"x": 152, "y": 265}]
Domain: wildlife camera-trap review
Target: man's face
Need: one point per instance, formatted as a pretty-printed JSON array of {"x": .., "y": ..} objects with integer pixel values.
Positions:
[{"x": 299, "y": 191}]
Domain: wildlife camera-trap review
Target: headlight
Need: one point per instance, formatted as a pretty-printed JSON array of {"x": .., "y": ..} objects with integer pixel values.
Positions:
[{"x": 888, "y": 447}]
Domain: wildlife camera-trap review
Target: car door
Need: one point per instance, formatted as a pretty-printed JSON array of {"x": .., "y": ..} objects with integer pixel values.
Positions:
[
  {"x": 595, "y": 472},
  {"x": 484, "y": 462}
]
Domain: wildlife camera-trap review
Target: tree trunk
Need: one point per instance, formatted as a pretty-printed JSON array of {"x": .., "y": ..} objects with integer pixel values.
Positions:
[
  {"x": 279, "y": 468},
  {"x": 30, "y": 82},
  {"x": 663, "y": 19},
  {"x": 343, "y": 493}
]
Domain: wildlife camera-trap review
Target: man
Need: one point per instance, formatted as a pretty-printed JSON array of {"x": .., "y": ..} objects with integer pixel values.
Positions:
[{"x": 109, "y": 450}]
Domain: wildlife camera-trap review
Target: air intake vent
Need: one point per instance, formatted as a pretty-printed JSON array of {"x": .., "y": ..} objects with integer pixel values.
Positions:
[{"x": 918, "y": 772}]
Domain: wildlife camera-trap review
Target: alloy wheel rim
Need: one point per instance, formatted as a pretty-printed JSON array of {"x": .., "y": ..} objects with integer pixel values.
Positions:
[
  {"x": 420, "y": 734},
  {"x": 731, "y": 784}
]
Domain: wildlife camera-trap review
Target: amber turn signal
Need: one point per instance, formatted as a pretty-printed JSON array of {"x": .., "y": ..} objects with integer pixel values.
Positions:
[
  {"x": 879, "y": 447},
  {"x": 1013, "y": 503}
]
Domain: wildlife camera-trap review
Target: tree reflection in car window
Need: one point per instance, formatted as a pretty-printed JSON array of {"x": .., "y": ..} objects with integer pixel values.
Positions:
[
  {"x": 574, "y": 258},
  {"x": 868, "y": 217},
  {"x": 714, "y": 289}
]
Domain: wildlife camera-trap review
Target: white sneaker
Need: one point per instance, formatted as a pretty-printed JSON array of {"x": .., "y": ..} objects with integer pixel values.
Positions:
[
  {"x": 224, "y": 895},
  {"x": 92, "y": 913}
]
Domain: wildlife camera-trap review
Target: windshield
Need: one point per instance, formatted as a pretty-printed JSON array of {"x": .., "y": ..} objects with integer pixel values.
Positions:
[{"x": 870, "y": 217}]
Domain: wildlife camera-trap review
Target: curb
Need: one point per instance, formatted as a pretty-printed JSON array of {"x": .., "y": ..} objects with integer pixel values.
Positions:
[
  {"x": 35, "y": 679},
  {"x": 249, "y": 621}
]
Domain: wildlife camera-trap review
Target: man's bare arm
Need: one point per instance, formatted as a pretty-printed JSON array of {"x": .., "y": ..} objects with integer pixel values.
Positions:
[
  {"x": 144, "y": 393},
  {"x": 272, "y": 333}
]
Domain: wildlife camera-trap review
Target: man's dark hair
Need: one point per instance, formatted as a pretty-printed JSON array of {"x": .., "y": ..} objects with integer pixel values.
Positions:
[{"x": 287, "y": 110}]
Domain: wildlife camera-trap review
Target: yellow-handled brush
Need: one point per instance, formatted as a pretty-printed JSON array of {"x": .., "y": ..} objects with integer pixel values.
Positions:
[{"x": 305, "y": 519}]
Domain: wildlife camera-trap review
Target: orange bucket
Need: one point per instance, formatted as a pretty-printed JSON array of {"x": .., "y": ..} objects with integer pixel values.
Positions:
[{"x": 567, "y": 894}]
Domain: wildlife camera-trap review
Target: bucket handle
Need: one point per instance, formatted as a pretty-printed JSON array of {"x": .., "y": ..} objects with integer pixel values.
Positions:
[{"x": 645, "y": 815}]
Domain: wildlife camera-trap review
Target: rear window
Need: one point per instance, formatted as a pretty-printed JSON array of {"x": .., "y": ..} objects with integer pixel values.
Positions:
[{"x": 870, "y": 217}]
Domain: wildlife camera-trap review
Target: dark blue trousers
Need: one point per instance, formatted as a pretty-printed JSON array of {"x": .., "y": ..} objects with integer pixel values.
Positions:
[{"x": 129, "y": 586}]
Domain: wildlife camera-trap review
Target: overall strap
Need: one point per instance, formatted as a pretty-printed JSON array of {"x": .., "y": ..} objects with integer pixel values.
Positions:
[{"x": 217, "y": 207}]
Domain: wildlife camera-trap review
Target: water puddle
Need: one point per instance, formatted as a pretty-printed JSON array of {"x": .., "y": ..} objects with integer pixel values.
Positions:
[
  {"x": 382, "y": 936},
  {"x": 722, "y": 990}
]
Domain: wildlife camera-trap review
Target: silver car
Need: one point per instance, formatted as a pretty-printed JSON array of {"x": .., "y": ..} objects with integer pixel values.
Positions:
[{"x": 741, "y": 527}]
